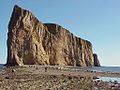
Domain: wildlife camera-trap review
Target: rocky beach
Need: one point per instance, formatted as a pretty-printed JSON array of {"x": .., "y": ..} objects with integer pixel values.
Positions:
[
  {"x": 36, "y": 77},
  {"x": 40, "y": 56}
]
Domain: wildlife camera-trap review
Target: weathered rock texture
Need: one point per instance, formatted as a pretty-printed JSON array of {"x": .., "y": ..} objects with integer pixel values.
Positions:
[
  {"x": 32, "y": 42},
  {"x": 96, "y": 61}
]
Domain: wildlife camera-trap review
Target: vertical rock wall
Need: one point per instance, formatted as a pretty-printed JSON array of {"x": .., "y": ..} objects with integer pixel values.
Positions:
[
  {"x": 32, "y": 42},
  {"x": 96, "y": 61}
]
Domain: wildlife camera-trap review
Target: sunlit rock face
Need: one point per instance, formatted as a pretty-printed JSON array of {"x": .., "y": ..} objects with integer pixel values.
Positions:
[{"x": 32, "y": 42}]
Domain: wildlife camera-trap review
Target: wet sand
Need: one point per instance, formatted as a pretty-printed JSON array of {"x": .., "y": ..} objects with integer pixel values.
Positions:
[{"x": 37, "y": 77}]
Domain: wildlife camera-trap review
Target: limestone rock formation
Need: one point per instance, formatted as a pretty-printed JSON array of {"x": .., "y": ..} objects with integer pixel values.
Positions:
[
  {"x": 96, "y": 61},
  {"x": 32, "y": 42}
]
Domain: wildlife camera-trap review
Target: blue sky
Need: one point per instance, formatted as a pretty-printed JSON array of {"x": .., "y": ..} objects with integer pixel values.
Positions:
[{"x": 95, "y": 20}]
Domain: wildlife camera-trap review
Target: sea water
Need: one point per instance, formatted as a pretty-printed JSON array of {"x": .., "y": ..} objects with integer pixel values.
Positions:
[
  {"x": 1, "y": 65},
  {"x": 112, "y": 79},
  {"x": 102, "y": 69},
  {"x": 99, "y": 69},
  {"x": 1, "y": 70}
]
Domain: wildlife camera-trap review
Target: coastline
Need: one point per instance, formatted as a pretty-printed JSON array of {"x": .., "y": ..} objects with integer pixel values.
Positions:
[{"x": 53, "y": 78}]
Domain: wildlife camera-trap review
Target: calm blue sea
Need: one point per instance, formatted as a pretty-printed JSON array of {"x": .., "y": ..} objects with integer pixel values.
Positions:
[
  {"x": 100, "y": 69},
  {"x": 1, "y": 70},
  {"x": 103, "y": 69},
  {"x": 1, "y": 65}
]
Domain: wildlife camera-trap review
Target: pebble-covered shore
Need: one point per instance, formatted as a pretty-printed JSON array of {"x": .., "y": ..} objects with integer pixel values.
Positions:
[{"x": 53, "y": 78}]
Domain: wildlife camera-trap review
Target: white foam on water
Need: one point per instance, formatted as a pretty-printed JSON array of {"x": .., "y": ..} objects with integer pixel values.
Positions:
[{"x": 109, "y": 79}]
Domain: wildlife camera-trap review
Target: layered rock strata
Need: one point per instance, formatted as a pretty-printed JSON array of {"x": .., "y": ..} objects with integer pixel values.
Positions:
[{"x": 32, "y": 42}]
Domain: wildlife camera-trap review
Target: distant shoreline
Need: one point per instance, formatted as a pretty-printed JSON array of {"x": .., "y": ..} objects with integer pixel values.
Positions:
[{"x": 108, "y": 69}]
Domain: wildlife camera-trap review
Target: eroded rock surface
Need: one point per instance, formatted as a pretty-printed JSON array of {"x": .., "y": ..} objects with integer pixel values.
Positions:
[
  {"x": 32, "y": 42},
  {"x": 96, "y": 60}
]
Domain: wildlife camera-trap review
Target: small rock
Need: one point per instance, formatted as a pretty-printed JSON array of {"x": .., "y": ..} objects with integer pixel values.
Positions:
[
  {"x": 53, "y": 76},
  {"x": 13, "y": 70},
  {"x": 62, "y": 75},
  {"x": 45, "y": 69},
  {"x": 37, "y": 68},
  {"x": 115, "y": 82},
  {"x": 81, "y": 77},
  {"x": 7, "y": 78},
  {"x": 75, "y": 77},
  {"x": 69, "y": 77},
  {"x": 95, "y": 77},
  {"x": 98, "y": 81}
]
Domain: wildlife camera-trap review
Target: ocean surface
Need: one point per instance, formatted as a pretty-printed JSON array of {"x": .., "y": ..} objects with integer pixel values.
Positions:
[
  {"x": 1, "y": 70},
  {"x": 1, "y": 65},
  {"x": 100, "y": 69}
]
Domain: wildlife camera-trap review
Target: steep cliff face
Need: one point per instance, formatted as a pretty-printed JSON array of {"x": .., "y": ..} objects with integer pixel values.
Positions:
[
  {"x": 32, "y": 42},
  {"x": 96, "y": 61}
]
